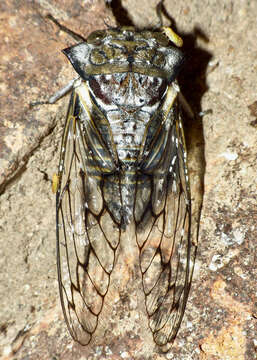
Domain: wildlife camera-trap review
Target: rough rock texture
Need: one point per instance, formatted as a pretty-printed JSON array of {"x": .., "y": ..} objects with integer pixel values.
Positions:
[{"x": 220, "y": 40}]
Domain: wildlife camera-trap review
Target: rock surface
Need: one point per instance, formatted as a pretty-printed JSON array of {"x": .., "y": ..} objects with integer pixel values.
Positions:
[{"x": 220, "y": 40}]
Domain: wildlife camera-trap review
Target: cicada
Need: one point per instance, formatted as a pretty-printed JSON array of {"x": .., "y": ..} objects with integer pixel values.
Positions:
[{"x": 123, "y": 187}]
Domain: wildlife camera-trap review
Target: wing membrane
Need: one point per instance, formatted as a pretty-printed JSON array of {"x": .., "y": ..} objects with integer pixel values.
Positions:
[
  {"x": 86, "y": 240},
  {"x": 163, "y": 236}
]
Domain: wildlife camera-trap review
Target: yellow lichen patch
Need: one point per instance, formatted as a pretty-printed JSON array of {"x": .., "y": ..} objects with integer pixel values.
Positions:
[
  {"x": 229, "y": 344},
  {"x": 220, "y": 295},
  {"x": 172, "y": 36}
]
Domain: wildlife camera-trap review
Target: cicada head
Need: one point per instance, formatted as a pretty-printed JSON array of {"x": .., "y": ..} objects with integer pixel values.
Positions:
[{"x": 126, "y": 50}]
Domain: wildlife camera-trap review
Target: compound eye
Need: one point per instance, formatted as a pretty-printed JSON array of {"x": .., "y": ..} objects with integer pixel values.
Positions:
[{"x": 96, "y": 37}]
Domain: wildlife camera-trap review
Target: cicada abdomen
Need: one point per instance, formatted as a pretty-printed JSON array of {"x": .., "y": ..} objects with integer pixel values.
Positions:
[{"x": 123, "y": 170}]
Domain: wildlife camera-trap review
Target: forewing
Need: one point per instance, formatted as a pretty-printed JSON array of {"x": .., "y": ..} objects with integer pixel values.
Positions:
[
  {"x": 163, "y": 236},
  {"x": 86, "y": 235}
]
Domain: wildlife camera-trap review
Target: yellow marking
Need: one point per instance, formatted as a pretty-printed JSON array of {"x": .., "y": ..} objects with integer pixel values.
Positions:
[
  {"x": 55, "y": 183},
  {"x": 172, "y": 36},
  {"x": 169, "y": 102}
]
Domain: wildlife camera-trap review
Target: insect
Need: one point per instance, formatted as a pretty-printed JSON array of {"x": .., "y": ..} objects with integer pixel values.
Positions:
[{"x": 123, "y": 178}]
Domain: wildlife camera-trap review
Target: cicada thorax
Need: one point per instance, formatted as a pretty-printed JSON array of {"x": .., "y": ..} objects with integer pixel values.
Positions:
[{"x": 129, "y": 102}]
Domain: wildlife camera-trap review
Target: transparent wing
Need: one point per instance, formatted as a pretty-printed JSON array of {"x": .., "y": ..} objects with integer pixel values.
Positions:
[
  {"x": 86, "y": 234},
  {"x": 163, "y": 234}
]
